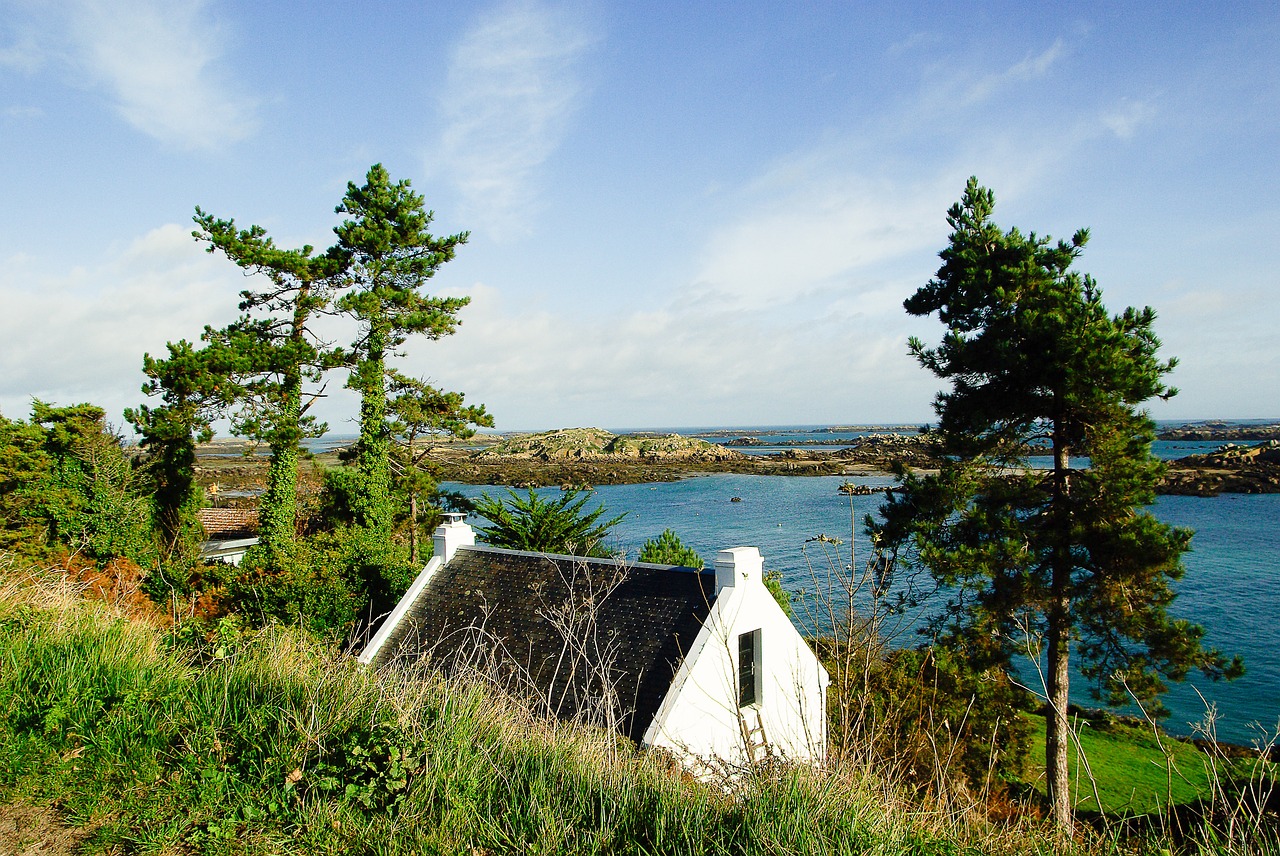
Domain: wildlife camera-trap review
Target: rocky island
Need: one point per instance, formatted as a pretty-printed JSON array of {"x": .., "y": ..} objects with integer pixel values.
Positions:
[
  {"x": 583, "y": 457},
  {"x": 590, "y": 456},
  {"x": 1233, "y": 468}
]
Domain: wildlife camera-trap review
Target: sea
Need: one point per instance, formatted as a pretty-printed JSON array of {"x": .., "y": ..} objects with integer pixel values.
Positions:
[{"x": 812, "y": 534}]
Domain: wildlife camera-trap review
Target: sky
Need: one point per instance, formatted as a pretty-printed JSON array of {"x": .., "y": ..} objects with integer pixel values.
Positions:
[{"x": 679, "y": 214}]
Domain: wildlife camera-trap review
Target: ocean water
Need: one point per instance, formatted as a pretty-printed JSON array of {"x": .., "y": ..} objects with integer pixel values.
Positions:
[{"x": 1231, "y": 586}]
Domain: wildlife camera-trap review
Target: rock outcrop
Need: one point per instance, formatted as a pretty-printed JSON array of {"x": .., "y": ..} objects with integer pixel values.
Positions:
[
  {"x": 1230, "y": 469},
  {"x": 596, "y": 444}
]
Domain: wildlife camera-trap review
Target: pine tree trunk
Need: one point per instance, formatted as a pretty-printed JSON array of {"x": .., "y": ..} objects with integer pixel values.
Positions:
[
  {"x": 278, "y": 515},
  {"x": 1057, "y": 726},
  {"x": 374, "y": 450}
]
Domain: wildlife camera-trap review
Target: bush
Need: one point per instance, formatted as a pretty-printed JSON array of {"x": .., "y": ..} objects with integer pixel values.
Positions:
[
  {"x": 668, "y": 549},
  {"x": 562, "y": 526},
  {"x": 930, "y": 718}
]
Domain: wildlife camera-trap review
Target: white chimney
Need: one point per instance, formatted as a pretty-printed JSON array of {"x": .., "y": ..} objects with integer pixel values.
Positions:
[
  {"x": 738, "y": 566},
  {"x": 452, "y": 534}
]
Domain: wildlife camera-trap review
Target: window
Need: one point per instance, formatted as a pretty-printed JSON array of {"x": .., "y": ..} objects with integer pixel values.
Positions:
[{"x": 749, "y": 668}]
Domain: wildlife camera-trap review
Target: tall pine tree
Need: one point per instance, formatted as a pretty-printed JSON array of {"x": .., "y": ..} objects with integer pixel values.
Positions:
[
  {"x": 277, "y": 352},
  {"x": 1064, "y": 555},
  {"x": 195, "y": 388},
  {"x": 390, "y": 254}
]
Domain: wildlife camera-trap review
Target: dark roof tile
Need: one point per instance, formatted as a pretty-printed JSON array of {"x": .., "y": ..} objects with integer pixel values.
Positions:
[{"x": 510, "y": 613}]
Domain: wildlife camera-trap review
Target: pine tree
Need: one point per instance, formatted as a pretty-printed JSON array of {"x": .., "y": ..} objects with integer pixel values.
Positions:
[
  {"x": 390, "y": 254},
  {"x": 276, "y": 352},
  {"x": 668, "y": 549},
  {"x": 419, "y": 412},
  {"x": 195, "y": 389},
  {"x": 1064, "y": 555},
  {"x": 562, "y": 526}
]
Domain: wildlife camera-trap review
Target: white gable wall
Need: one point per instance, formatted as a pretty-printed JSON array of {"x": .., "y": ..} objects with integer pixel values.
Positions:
[{"x": 700, "y": 716}]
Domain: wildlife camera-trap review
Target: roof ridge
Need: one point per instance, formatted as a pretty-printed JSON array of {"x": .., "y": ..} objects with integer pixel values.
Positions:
[{"x": 616, "y": 562}]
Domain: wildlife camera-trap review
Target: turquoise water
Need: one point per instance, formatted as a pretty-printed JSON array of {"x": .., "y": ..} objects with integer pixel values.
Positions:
[{"x": 1232, "y": 584}]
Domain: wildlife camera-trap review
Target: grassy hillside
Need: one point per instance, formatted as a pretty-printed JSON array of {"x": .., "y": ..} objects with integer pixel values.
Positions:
[{"x": 272, "y": 743}]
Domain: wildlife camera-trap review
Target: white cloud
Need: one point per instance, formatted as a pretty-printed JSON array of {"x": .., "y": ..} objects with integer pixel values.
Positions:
[
  {"x": 1125, "y": 118},
  {"x": 513, "y": 86},
  {"x": 815, "y": 227},
  {"x": 79, "y": 334},
  {"x": 1031, "y": 67},
  {"x": 673, "y": 365},
  {"x": 156, "y": 60}
]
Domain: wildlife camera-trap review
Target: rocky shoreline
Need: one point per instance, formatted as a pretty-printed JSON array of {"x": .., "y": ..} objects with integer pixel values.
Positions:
[
  {"x": 584, "y": 457},
  {"x": 590, "y": 456},
  {"x": 1221, "y": 432}
]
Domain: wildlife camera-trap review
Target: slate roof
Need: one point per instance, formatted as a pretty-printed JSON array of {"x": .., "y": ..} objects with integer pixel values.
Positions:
[{"x": 508, "y": 613}]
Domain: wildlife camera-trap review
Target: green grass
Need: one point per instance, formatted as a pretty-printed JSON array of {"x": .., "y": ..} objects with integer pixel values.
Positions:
[
  {"x": 1132, "y": 770},
  {"x": 271, "y": 743},
  {"x": 280, "y": 745}
]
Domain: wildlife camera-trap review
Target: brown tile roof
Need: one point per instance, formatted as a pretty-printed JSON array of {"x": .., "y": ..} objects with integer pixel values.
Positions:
[
  {"x": 223, "y": 523},
  {"x": 507, "y": 612}
]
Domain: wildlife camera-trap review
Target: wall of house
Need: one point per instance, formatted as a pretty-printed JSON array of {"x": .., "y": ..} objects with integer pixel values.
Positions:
[{"x": 701, "y": 717}]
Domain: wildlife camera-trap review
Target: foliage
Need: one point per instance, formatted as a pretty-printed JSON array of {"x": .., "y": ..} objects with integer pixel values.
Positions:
[
  {"x": 936, "y": 718},
  {"x": 247, "y": 752},
  {"x": 388, "y": 255},
  {"x": 562, "y": 526},
  {"x": 24, "y": 465},
  {"x": 1033, "y": 357},
  {"x": 668, "y": 549},
  {"x": 773, "y": 582},
  {"x": 299, "y": 588},
  {"x": 274, "y": 351},
  {"x": 373, "y": 767},
  {"x": 71, "y": 487},
  {"x": 418, "y": 413},
  {"x": 194, "y": 390}
]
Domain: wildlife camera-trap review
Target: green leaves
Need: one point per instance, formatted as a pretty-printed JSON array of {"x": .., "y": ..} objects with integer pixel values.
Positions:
[
  {"x": 561, "y": 526},
  {"x": 668, "y": 549}
]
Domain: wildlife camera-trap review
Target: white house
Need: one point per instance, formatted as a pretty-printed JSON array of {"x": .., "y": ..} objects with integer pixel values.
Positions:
[{"x": 702, "y": 663}]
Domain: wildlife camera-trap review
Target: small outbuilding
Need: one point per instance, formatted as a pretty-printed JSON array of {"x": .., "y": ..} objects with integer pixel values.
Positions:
[
  {"x": 228, "y": 532},
  {"x": 702, "y": 663}
]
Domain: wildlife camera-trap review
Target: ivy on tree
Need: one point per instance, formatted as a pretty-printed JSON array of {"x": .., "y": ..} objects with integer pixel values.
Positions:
[
  {"x": 1064, "y": 555},
  {"x": 194, "y": 388}
]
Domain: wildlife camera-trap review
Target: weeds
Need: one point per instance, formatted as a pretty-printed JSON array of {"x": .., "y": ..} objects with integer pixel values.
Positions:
[{"x": 269, "y": 741}]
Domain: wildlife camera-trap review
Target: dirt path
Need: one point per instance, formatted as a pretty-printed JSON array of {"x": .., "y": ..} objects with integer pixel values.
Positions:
[{"x": 27, "y": 830}]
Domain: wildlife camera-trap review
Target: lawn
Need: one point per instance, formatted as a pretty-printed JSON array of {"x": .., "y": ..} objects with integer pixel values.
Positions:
[{"x": 1133, "y": 771}]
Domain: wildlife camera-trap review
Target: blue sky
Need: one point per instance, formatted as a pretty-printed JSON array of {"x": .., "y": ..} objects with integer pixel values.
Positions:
[{"x": 680, "y": 214}]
